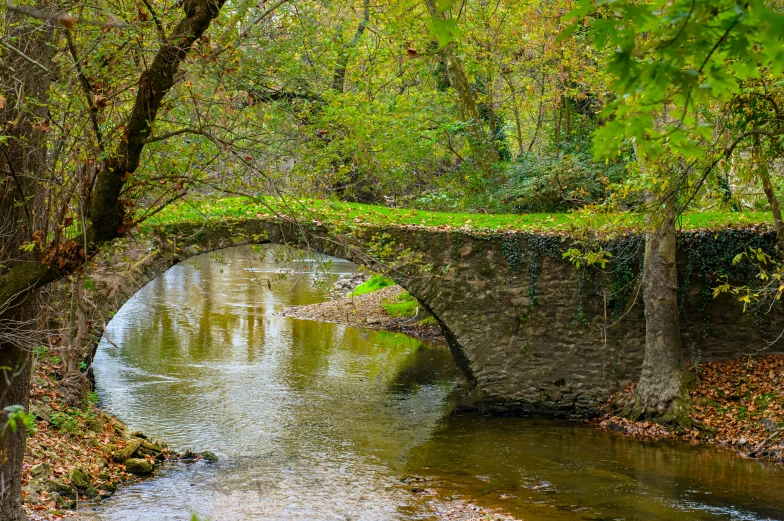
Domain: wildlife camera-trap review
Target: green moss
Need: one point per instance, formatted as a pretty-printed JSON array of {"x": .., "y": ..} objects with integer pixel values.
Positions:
[
  {"x": 402, "y": 306},
  {"x": 428, "y": 321},
  {"x": 350, "y": 214},
  {"x": 374, "y": 283}
]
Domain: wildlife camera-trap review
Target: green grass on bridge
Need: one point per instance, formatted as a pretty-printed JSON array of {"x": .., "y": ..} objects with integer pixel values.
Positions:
[{"x": 333, "y": 212}]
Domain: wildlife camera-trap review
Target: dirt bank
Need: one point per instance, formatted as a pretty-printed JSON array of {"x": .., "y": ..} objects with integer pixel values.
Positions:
[
  {"x": 77, "y": 455},
  {"x": 737, "y": 403},
  {"x": 367, "y": 311}
]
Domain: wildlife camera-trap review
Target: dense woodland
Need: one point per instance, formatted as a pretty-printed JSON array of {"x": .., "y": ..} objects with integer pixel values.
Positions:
[{"x": 111, "y": 111}]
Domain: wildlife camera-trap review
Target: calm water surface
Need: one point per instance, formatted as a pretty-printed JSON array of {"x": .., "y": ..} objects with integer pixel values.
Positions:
[{"x": 316, "y": 421}]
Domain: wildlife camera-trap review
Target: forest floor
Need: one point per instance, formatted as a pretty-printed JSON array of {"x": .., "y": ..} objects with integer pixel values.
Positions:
[
  {"x": 77, "y": 456},
  {"x": 367, "y": 311},
  {"x": 737, "y": 403}
]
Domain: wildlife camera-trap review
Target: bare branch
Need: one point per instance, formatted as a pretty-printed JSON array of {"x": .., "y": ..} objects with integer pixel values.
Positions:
[
  {"x": 23, "y": 55},
  {"x": 64, "y": 18},
  {"x": 261, "y": 17},
  {"x": 167, "y": 135},
  {"x": 86, "y": 88}
]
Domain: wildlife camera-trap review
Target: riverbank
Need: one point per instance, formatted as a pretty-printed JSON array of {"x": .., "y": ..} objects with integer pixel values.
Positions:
[
  {"x": 76, "y": 456},
  {"x": 737, "y": 403},
  {"x": 368, "y": 311}
]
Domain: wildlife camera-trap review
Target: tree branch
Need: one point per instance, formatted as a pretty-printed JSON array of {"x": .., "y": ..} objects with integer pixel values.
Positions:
[
  {"x": 23, "y": 55},
  {"x": 167, "y": 135},
  {"x": 63, "y": 17},
  {"x": 86, "y": 88},
  {"x": 282, "y": 95},
  {"x": 106, "y": 214},
  {"x": 161, "y": 31}
]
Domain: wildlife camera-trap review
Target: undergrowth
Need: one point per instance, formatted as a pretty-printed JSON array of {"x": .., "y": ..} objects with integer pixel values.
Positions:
[
  {"x": 402, "y": 306},
  {"x": 374, "y": 283}
]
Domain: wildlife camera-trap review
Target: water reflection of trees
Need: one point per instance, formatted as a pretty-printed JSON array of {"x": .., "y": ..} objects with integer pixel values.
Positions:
[{"x": 570, "y": 464}]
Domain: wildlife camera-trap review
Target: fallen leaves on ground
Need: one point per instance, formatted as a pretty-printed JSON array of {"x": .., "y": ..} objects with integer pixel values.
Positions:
[
  {"x": 80, "y": 438},
  {"x": 737, "y": 403}
]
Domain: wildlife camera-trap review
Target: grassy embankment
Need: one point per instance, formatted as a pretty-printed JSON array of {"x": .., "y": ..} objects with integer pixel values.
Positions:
[{"x": 237, "y": 208}]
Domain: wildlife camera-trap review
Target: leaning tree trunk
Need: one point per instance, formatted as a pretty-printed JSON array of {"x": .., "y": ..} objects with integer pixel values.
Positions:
[{"x": 661, "y": 390}]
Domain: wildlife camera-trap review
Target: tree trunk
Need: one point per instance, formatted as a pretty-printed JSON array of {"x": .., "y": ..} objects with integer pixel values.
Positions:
[
  {"x": 775, "y": 208},
  {"x": 339, "y": 78},
  {"x": 24, "y": 85},
  {"x": 15, "y": 358},
  {"x": 484, "y": 153},
  {"x": 516, "y": 112},
  {"x": 662, "y": 387},
  {"x": 25, "y": 88},
  {"x": 107, "y": 215}
]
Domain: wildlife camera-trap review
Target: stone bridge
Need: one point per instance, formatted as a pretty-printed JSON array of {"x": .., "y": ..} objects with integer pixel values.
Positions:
[{"x": 532, "y": 334}]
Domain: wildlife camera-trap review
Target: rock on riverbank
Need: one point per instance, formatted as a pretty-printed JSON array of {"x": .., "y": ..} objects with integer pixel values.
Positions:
[{"x": 77, "y": 454}]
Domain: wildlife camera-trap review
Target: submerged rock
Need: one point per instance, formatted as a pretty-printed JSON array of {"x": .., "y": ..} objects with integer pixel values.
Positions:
[
  {"x": 151, "y": 449},
  {"x": 189, "y": 455},
  {"x": 138, "y": 466},
  {"x": 209, "y": 456}
]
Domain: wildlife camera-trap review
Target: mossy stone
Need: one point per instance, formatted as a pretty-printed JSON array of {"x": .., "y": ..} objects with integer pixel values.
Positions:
[{"x": 138, "y": 466}]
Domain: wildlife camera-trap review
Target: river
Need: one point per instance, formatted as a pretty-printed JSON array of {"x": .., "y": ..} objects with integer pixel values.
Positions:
[{"x": 318, "y": 421}]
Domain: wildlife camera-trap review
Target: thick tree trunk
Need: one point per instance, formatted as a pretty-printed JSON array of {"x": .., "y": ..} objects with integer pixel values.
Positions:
[
  {"x": 25, "y": 88},
  {"x": 662, "y": 387},
  {"x": 15, "y": 359}
]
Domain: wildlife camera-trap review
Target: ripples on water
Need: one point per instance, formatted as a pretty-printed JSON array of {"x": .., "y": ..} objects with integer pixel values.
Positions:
[{"x": 317, "y": 421}]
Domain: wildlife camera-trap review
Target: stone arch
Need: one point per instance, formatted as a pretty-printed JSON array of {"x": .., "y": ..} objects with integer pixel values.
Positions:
[
  {"x": 120, "y": 271},
  {"x": 519, "y": 323}
]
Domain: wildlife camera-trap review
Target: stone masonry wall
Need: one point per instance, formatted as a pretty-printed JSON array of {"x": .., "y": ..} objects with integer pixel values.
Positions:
[{"x": 532, "y": 335}]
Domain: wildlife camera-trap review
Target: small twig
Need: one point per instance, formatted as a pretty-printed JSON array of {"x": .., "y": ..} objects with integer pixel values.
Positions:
[
  {"x": 759, "y": 447},
  {"x": 158, "y": 25},
  {"x": 23, "y": 55}
]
